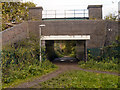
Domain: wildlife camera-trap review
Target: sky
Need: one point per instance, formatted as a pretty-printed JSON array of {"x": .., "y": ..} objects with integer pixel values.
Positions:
[{"x": 109, "y": 6}]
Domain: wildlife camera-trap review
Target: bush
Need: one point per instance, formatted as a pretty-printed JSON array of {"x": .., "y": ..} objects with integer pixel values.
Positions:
[
  {"x": 105, "y": 64},
  {"x": 21, "y": 60},
  {"x": 108, "y": 60}
]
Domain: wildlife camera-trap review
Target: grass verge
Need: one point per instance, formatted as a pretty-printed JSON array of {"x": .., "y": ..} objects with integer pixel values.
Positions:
[
  {"x": 30, "y": 78},
  {"x": 99, "y": 65},
  {"x": 81, "y": 79}
]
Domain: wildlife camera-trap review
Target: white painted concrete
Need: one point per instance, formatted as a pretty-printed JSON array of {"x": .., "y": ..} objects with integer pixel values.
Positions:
[{"x": 66, "y": 37}]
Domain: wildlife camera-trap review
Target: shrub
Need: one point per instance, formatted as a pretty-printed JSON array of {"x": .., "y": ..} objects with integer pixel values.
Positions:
[
  {"x": 21, "y": 60},
  {"x": 108, "y": 60}
]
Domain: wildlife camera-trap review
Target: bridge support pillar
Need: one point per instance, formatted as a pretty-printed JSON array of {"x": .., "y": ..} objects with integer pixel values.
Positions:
[
  {"x": 49, "y": 44},
  {"x": 81, "y": 50}
]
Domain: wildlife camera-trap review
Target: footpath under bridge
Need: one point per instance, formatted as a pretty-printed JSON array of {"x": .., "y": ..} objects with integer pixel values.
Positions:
[
  {"x": 48, "y": 41},
  {"x": 72, "y": 25},
  {"x": 81, "y": 44}
]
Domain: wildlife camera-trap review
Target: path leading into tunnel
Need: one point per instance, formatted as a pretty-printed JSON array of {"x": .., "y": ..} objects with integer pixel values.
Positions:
[{"x": 62, "y": 68}]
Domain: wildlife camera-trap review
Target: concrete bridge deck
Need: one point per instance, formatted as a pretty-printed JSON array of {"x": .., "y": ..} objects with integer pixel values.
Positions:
[{"x": 101, "y": 32}]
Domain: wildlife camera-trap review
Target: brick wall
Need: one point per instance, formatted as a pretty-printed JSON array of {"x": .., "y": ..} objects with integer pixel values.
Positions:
[
  {"x": 35, "y": 13},
  {"x": 95, "y": 11},
  {"x": 97, "y": 29},
  {"x": 33, "y": 27},
  {"x": 14, "y": 34}
]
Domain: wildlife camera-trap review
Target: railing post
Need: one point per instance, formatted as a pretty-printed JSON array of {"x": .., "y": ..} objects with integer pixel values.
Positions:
[
  {"x": 55, "y": 13},
  {"x": 74, "y": 13},
  {"x": 65, "y": 13},
  {"x": 46, "y": 13},
  {"x": 84, "y": 13}
]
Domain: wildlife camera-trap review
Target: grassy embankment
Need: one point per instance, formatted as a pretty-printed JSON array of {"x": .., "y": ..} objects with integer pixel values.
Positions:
[
  {"x": 108, "y": 59},
  {"x": 81, "y": 79},
  {"x": 104, "y": 65}
]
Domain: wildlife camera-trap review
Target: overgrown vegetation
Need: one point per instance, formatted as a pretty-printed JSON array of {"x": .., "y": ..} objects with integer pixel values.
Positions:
[
  {"x": 104, "y": 65},
  {"x": 65, "y": 48},
  {"x": 111, "y": 17},
  {"x": 81, "y": 79},
  {"x": 21, "y": 61},
  {"x": 14, "y": 12},
  {"x": 108, "y": 59}
]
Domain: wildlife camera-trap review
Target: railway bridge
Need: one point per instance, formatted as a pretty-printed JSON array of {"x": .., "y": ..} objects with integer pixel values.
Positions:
[{"x": 86, "y": 27}]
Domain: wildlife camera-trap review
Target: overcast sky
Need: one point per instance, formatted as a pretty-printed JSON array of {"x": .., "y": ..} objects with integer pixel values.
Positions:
[{"x": 109, "y": 6}]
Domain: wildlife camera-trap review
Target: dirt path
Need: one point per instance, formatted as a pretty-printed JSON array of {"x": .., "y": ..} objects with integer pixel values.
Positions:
[{"x": 62, "y": 68}]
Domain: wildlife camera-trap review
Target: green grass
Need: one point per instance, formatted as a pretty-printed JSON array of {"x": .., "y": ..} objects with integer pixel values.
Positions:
[
  {"x": 81, "y": 79},
  {"x": 30, "y": 78},
  {"x": 101, "y": 65}
]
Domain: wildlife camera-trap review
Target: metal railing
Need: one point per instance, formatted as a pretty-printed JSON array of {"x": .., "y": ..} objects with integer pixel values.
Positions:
[{"x": 82, "y": 13}]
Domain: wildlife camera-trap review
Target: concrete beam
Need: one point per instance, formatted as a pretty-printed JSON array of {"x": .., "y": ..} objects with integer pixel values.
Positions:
[
  {"x": 80, "y": 50},
  {"x": 66, "y": 37}
]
